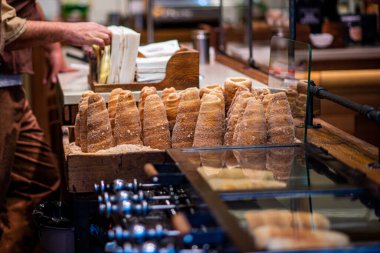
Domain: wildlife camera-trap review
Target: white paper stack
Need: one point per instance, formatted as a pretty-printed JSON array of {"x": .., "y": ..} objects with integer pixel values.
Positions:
[
  {"x": 153, "y": 67},
  {"x": 124, "y": 50}
]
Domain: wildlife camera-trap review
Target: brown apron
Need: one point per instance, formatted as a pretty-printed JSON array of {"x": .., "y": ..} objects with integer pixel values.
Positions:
[{"x": 28, "y": 169}]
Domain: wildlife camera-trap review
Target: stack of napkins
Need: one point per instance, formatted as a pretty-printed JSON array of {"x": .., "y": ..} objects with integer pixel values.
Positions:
[
  {"x": 124, "y": 50},
  {"x": 152, "y": 68}
]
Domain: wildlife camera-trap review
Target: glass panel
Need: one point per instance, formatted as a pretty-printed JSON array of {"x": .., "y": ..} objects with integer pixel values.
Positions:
[
  {"x": 289, "y": 71},
  {"x": 353, "y": 215},
  {"x": 257, "y": 168},
  {"x": 248, "y": 27}
]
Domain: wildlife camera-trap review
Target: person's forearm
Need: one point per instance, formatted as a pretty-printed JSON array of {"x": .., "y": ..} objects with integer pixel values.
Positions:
[
  {"x": 39, "y": 33},
  {"x": 45, "y": 32}
]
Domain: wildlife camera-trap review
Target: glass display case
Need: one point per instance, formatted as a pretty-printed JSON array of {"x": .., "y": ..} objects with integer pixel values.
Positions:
[{"x": 276, "y": 197}]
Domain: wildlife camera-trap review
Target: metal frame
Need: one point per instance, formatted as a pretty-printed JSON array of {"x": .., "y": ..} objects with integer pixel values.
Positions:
[{"x": 365, "y": 110}]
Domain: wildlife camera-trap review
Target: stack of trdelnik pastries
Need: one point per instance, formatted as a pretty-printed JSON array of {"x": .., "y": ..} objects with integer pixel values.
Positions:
[{"x": 212, "y": 116}]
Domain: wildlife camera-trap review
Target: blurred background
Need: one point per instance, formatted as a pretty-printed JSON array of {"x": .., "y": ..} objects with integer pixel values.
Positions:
[{"x": 344, "y": 35}]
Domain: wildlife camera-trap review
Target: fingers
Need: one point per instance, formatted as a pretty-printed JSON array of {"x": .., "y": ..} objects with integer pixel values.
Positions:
[
  {"x": 99, "y": 42},
  {"x": 54, "y": 73},
  {"x": 89, "y": 34},
  {"x": 106, "y": 38}
]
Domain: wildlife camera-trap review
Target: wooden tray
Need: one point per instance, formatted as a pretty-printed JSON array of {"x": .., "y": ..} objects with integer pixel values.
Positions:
[
  {"x": 83, "y": 170},
  {"x": 182, "y": 71}
]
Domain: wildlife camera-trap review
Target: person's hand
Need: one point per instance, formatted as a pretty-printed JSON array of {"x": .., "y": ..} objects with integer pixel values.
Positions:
[
  {"x": 55, "y": 63},
  {"x": 87, "y": 33}
]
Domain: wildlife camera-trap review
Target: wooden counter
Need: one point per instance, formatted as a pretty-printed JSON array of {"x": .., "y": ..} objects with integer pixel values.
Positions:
[{"x": 346, "y": 148}]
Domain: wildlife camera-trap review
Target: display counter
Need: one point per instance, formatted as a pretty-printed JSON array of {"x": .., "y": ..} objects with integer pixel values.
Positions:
[{"x": 215, "y": 220}]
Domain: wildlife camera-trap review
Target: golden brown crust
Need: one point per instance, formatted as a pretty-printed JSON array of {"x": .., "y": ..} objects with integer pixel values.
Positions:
[
  {"x": 209, "y": 88},
  {"x": 280, "y": 120},
  {"x": 209, "y": 129},
  {"x": 302, "y": 87},
  {"x": 186, "y": 120},
  {"x": 112, "y": 101},
  {"x": 127, "y": 120},
  {"x": 145, "y": 91},
  {"x": 83, "y": 108},
  {"x": 99, "y": 132},
  {"x": 261, "y": 93},
  {"x": 166, "y": 92},
  {"x": 231, "y": 85},
  {"x": 156, "y": 126},
  {"x": 171, "y": 106},
  {"x": 233, "y": 117},
  {"x": 251, "y": 126},
  {"x": 242, "y": 92}
]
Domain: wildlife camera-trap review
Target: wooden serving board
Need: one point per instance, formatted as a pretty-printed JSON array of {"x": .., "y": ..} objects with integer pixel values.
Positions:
[
  {"x": 182, "y": 71},
  {"x": 82, "y": 171}
]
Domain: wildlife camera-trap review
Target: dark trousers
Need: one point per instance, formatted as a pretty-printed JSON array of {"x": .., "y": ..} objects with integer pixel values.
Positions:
[{"x": 28, "y": 171}]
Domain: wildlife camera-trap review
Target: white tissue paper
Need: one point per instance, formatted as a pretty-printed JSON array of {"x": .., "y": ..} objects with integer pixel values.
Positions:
[
  {"x": 152, "y": 68},
  {"x": 165, "y": 48},
  {"x": 124, "y": 50}
]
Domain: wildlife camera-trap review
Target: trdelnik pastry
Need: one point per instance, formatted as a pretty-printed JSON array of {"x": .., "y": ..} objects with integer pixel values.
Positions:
[
  {"x": 187, "y": 115},
  {"x": 127, "y": 120},
  {"x": 99, "y": 132},
  {"x": 156, "y": 126},
  {"x": 209, "y": 128}
]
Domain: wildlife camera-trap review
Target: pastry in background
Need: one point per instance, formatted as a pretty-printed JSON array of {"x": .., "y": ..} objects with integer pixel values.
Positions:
[
  {"x": 127, "y": 120},
  {"x": 267, "y": 98},
  {"x": 171, "y": 106},
  {"x": 277, "y": 238},
  {"x": 253, "y": 159},
  {"x": 230, "y": 160},
  {"x": 280, "y": 120},
  {"x": 187, "y": 115},
  {"x": 232, "y": 84},
  {"x": 220, "y": 95},
  {"x": 209, "y": 129},
  {"x": 99, "y": 132},
  {"x": 214, "y": 160},
  {"x": 233, "y": 117},
  {"x": 300, "y": 106},
  {"x": 286, "y": 219},
  {"x": 292, "y": 96},
  {"x": 279, "y": 161},
  {"x": 241, "y": 92},
  {"x": 261, "y": 93},
  {"x": 83, "y": 108},
  {"x": 209, "y": 88},
  {"x": 112, "y": 101},
  {"x": 156, "y": 126},
  {"x": 300, "y": 103},
  {"x": 251, "y": 126},
  {"x": 166, "y": 92},
  {"x": 145, "y": 91}
]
